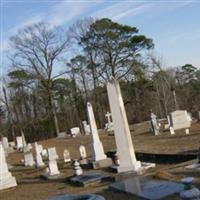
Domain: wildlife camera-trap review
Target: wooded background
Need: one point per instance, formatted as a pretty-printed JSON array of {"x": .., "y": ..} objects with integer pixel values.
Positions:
[{"x": 53, "y": 73}]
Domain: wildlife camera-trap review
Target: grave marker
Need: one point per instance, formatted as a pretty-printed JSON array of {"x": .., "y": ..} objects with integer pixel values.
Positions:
[{"x": 125, "y": 149}]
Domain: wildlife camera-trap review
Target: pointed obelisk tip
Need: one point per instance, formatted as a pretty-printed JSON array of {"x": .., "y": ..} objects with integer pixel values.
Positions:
[{"x": 111, "y": 79}]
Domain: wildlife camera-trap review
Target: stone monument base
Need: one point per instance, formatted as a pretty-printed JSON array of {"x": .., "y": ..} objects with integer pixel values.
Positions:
[
  {"x": 46, "y": 176},
  {"x": 7, "y": 182},
  {"x": 101, "y": 163}
]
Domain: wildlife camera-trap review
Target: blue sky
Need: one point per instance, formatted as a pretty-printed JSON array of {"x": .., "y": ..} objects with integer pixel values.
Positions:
[{"x": 174, "y": 25}]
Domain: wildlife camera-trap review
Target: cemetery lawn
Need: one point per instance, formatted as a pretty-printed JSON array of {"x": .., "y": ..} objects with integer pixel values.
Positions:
[{"x": 32, "y": 187}]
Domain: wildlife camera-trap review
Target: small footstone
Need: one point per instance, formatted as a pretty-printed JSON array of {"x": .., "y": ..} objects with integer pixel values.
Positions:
[{"x": 87, "y": 179}]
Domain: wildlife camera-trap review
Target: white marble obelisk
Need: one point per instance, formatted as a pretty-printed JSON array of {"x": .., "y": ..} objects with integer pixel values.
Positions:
[
  {"x": 97, "y": 147},
  {"x": 125, "y": 149},
  {"x": 6, "y": 178}
]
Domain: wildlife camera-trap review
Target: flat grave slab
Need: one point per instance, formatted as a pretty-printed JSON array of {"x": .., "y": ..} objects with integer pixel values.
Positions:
[
  {"x": 87, "y": 179},
  {"x": 148, "y": 188},
  {"x": 80, "y": 197}
]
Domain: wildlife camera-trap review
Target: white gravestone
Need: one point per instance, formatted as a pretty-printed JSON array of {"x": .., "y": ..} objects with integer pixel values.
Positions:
[
  {"x": 109, "y": 124},
  {"x": 38, "y": 161},
  {"x": 40, "y": 148},
  {"x": 19, "y": 141},
  {"x": 75, "y": 131},
  {"x": 179, "y": 119},
  {"x": 97, "y": 147},
  {"x": 154, "y": 124},
  {"x": 172, "y": 132},
  {"x": 86, "y": 128},
  {"x": 6, "y": 179},
  {"x": 52, "y": 154},
  {"x": 53, "y": 168},
  {"x": 82, "y": 151},
  {"x": 125, "y": 149},
  {"x": 28, "y": 159},
  {"x": 66, "y": 156}
]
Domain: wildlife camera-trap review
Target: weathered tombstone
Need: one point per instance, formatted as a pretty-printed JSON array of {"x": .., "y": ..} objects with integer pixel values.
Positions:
[
  {"x": 125, "y": 149},
  {"x": 99, "y": 159},
  {"x": 75, "y": 131},
  {"x": 179, "y": 119},
  {"x": 109, "y": 124},
  {"x": 52, "y": 154},
  {"x": 171, "y": 129},
  {"x": 28, "y": 160},
  {"x": 44, "y": 153},
  {"x": 154, "y": 124},
  {"x": 40, "y": 148},
  {"x": 86, "y": 128},
  {"x": 38, "y": 158},
  {"x": 187, "y": 131},
  {"x": 66, "y": 156},
  {"x": 19, "y": 141},
  {"x": 82, "y": 151},
  {"x": 53, "y": 168},
  {"x": 6, "y": 179}
]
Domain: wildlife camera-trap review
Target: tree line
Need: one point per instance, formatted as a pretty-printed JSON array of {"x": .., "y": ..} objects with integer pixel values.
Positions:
[{"x": 54, "y": 72}]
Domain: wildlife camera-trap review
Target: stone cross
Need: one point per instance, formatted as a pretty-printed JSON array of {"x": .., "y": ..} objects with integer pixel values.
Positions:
[
  {"x": 6, "y": 179},
  {"x": 97, "y": 147},
  {"x": 66, "y": 156},
  {"x": 82, "y": 151},
  {"x": 108, "y": 117},
  {"x": 125, "y": 149}
]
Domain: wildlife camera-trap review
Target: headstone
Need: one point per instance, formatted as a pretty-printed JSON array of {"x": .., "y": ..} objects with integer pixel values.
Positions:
[
  {"x": 187, "y": 131},
  {"x": 62, "y": 135},
  {"x": 38, "y": 158},
  {"x": 28, "y": 160},
  {"x": 86, "y": 128},
  {"x": 125, "y": 149},
  {"x": 109, "y": 124},
  {"x": 82, "y": 151},
  {"x": 179, "y": 119},
  {"x": 154, "y": 124},
  {"x": 44, "y": 153},
  {"x": 99, "y": 159},
  {"x": 53, "y": 168},
  {"x": 12, "y": 144},
  {"x": 19, "y": 141},
  {"x": 77, "y": 169},
  {"x": 66, "y": 156},
  {"x": 75, "y": 131},
  {"x": 171, "y": 129},
  {"x": 6, "y": 179},
  {"x": 148, "y": 188},
  {"x": 52, "y": 154}
]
